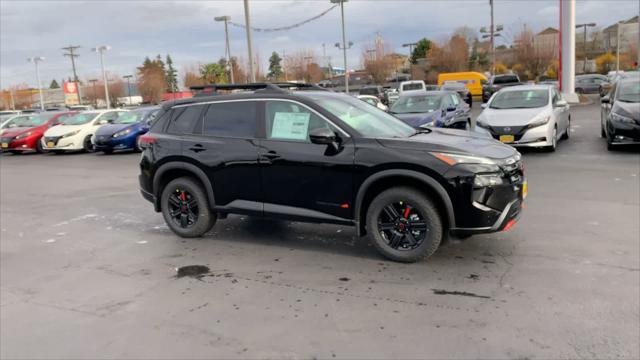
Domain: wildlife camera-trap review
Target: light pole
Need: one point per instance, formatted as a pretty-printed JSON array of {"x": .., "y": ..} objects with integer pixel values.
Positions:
[
  {"x": 371, "y": 52},
  {"x": 129, "y": 87},
  {"x": 344, "y": 44},
  {"x": 36, "y": 60},
  {"x": 410, "y": 46},
  {"x": 247, "y": 20},
  {"x": 95, "y": 96},
  {"x": 100, "y": 50},
  {"x": 584, "y": 43},
  {"x": 618, "y": 47},
  {"x": 227, "y": 50}
]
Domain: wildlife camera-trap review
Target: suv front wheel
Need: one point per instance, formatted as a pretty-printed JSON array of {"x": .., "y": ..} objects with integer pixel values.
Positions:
[
  {"x": 404, "y": 225},
  {"x": 186, "y": 209}
]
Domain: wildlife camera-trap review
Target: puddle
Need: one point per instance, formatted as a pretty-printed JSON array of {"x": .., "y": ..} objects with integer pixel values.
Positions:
[
  {"x": 194, "y": 271},
  {"x": 473, "y": 277},
  {"x": 459, "y": 293},
  {"x": 344, "y": 279}
]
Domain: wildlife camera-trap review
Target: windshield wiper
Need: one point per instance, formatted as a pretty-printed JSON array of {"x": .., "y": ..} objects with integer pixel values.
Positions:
[{"x": 420, "y": 131}]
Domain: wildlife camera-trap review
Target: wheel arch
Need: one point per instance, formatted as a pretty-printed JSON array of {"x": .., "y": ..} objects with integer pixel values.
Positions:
[
  {"x": 173, "y": 170},
  {"x": 386, "y": 179}
]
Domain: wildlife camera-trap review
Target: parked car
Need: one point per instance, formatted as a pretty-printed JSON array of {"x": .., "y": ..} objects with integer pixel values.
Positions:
[
  {"x": 553, "y": 83},
  {"x": 620, "y": 113},
  {"x": 74, "y": 133},
  {"x": 432, "y": 109},
  {"x": 325, "y": 157},
  {"x": 125, "y": 131},
  {"x": 614, "y": 76},
  {"x": 373, "y": 100},
  {"x": 12, "y": 121},
  {"x": 412, "y": 85},
  {"x": 392, "y": 95},
  {"x": 375, "y": 90},
  {"x": 589, "y": 84},
  {"x": 80, "y": 107},
  {"x": 498, "y": 82},
  {"x": 470, "y": 79},
  {"x": 9, "y": 112},
  {"x": 527, "y": 116},
  {"x": 27, "y": 135},
  {"x": 461, "y": 89}
]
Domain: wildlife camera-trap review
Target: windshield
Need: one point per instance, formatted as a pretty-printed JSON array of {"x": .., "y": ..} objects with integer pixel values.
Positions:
[
  {"x": 33, "y": 121},
  {"x": 416, "y": 104},
  {"x": 520, "y": 99},
  {"x": 79, "y": 119},
  {"x": 505, "y": 79},
  {"x": 367, "y": 120},
  {"x": 130, "y": 117},
  {"x": 629, "y": 91}
]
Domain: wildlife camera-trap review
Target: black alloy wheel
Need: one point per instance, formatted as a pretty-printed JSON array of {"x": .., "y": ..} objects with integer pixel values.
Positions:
[
  {"x": 186, "y": 209},
  {"x": 402, "y": 226},
  {"x": 183, "y": 208}
]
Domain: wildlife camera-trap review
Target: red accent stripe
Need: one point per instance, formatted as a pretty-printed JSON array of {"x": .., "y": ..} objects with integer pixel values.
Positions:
[
  {"x": 406, "y": 212},
  {"x": 509, "y": 225},
  {"x": 344, "y": 206}
]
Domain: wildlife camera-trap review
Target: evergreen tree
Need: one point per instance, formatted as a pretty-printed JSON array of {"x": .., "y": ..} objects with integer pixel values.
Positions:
[
  {"x": 54, "y": 84},
  {"x": 171, "y": 75},
  {"x": 420, "y": 51},
  {"x": 275, "y": 69}
]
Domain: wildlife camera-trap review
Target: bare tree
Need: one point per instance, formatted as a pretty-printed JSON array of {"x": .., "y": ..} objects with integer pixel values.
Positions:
[
  {"x": 378, "y": 61},
  {"x": 534, "y": 60},
  {"x": 303, "y": 66},
  {"x": 451, "y": 55}
]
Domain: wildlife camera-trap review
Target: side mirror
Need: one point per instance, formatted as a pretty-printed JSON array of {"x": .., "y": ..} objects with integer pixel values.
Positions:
[
  {"x": 605, "y": 100},
  {"x": 322, "y": 136},
  {"x": 562, "y": 103},
  {"x": 483, "y": 105},
  {"x": 102, "y": 122},
  {"x": 451, "y": 108}
]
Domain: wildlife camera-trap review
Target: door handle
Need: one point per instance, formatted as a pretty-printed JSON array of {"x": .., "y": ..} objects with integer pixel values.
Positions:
[
  {"x": 197, "y": 148},
  {"x": 271, "y": 155}
]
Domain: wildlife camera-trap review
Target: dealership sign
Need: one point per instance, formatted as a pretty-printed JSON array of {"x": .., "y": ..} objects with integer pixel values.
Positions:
[{"x": 70, "y": 93}]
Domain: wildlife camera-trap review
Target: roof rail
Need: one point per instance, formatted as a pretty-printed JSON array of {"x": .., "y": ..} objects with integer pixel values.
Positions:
[{"x": 263, "y": 87}]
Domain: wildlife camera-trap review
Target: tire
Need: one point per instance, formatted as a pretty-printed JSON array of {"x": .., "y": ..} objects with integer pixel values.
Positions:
[
  {"x": 87, "y": 146},
  {"x": 566, "y": 135},
  {"x": 39, "y": 148},
  {"x": 198, "y": 218},
  {"x": 137, "y": 147},
  {"x": 422, "y": 213},
  {"x": 467, "y": 125},
  {"x": 554, "y": 140}
]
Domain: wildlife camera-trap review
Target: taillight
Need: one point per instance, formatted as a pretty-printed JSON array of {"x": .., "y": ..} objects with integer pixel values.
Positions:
[{"x": 146, "y": 140}]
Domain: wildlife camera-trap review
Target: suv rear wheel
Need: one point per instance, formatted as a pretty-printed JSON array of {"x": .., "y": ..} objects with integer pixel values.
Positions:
[
  {"x": 404, "y": 225},
  {"x": 186, "y": 209}
]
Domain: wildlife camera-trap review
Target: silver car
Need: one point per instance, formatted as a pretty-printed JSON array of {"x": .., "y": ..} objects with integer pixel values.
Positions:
[{"x": 526, "y": 116}]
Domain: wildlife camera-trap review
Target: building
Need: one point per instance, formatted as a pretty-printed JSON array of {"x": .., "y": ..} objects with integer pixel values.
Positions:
[
  {"x": 629, "y": 35},
  {"x": 547, "y": 41}
]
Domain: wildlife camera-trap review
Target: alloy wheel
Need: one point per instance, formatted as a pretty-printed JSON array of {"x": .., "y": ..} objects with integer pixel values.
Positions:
[
  {"x": 183, "y": 208},
  {"x": 402, "y": 226}
]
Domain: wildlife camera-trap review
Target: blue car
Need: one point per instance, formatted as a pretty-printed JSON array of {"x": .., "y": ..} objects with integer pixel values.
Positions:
[
  {"x": 443, "y": 109},
  {"x": 123, "y": 133}
]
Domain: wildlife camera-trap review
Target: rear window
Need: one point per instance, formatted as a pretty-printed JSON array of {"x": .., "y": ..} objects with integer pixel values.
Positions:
[
  {"x": 369, "y": 91},
  {"x": 414, "y": 86},
  {"x": 231, "y": 119},
  {"x": 184, "y": 119},
  {"x": 505, "y": 79}
]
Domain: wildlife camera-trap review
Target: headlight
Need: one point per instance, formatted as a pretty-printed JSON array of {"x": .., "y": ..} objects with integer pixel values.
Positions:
[
  {"x": 122, "y": 133},
  {"x": 539, "y": 122},
  {"x": 482, "y": 124},
  {"x": 71, "y": 134},
  {"x": 621, "y": 119},
  {"x": 22, "y": 136},
  {"x": 454, "y": 159},
  {"x": 487, "y": 180}
]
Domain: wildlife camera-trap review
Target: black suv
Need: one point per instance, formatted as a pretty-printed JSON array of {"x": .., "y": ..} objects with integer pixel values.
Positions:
[
  {"x": 498, "y": 82},
  {"x": 318, "y": 156}
]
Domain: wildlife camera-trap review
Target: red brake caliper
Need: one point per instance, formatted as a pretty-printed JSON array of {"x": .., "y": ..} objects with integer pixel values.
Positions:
[{"x": 407, "y": 210}]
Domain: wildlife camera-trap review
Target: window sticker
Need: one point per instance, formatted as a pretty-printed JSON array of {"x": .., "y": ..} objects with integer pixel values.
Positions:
[{"x": 290, "y": 126}]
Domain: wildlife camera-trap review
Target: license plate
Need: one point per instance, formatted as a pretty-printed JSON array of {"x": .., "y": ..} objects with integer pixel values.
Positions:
[
  {"x": 51, "y": 144},
  {"x": 5, "y": 145},
  {"x": 525, "y": 189},
  {"x": 507, "y": 138}
]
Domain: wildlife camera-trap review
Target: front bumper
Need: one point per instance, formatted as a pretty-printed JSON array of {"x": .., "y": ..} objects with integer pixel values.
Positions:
[
  {"x": 109, "y": 143},
  {"x": 522, "y": 137},
  {"x": 59, "y": 143},
  {"x": 623, "y": 133}
]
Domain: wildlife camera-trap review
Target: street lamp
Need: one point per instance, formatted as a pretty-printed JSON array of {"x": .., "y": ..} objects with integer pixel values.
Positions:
[
  {"x": 584, "y": 43},
  {"x": 344, "y": 44},
  {"x": 36, "y": 60},
  {"x": 95, "y": 96},
  {"x": 247, "y": 20},
  {"x": 101, "y": 50},
  {"x": 128, "y": 77},
  {"x": 227, "y": 50}
]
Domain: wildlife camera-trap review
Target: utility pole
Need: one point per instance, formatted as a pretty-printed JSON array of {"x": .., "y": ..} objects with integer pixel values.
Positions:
[
  {"x": 71, "y": 53},
  {"x": 491, "y": 41},
  {"x": 95, "y": 96},
  {"x": 36, "y": 60},
  {"x": 371, "y": 52},
  {"x": 247, "y": 20},
  {"x": 584, "y": 43},
  {"x": 618, "y": 47},
  {"x": 410, "y": 46},
  {"x": 227, "y": 50},
  {"x": 101, "y": 50},
  {"x": 284, "y": 67},
  {"x": 327, "y": 59},
  {"x": 344, "y": 45},
  {"x": 128, "y": 77}
]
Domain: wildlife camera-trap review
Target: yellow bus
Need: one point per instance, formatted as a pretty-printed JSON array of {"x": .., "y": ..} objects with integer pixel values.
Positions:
[{"x": 472, "y": 80}]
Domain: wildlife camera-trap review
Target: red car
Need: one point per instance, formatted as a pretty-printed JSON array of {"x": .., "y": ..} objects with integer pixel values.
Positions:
[{"x": 26, "y": 135}]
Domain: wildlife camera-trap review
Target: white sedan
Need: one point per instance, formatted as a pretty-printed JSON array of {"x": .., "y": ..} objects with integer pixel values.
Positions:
[
  {"x": 74, "y": 133},
  {"x": 526, "y": 116}
]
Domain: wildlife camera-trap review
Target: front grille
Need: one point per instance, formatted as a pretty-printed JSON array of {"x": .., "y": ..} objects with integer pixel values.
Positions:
[
  {"x": 516, "y": 131},
  {"x": 513, "y": 168},
  {"x": 6, "y": 140},
  {"x": 102, "y": 139},
  {"x": 53, "y": 139}
]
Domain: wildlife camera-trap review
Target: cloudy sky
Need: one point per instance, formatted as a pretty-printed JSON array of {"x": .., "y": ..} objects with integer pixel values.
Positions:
[{"x": 186, "y": 30}]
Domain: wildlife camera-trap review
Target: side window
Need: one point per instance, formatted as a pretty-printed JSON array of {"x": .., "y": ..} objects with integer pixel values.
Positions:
[
  {"x": 446, "y": 102},
  {"x": 231, "y": 119},
  {"x": 108, "y": 116},
  {"x": 58, "y": 120},
  {"x": 184, "y": 119},
  {"x": 286, "y": 120},
  {"x": 454, "y": 99},
  {"x": 161, "y": 118}
]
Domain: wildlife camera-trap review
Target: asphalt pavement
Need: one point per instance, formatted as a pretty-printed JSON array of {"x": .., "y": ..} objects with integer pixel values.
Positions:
[{"x": 88, "y": 270}]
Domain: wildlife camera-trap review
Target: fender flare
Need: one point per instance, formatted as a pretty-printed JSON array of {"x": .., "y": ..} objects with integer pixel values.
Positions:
[
  {"x": 196, "y": 171},
  {"x": 433, "y": 184}
]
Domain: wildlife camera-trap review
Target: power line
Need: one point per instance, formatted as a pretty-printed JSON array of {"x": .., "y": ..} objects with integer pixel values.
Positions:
[{"x": 288, "y": 27}]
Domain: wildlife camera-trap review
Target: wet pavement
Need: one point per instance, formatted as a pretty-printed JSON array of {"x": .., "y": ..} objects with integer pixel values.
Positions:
[{"x": 88, "y": 270}]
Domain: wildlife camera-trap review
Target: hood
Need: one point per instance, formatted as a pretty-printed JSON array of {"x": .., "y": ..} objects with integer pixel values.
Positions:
[
  {"x": 510, "y": 117},
  {"x": 419, "y": 119},
  {"x": 459, "y": 141},
  {"x": 631, "y": 110},
  {"x": 13, "y": 132},
  {"x": 110, "y": 129},
  {"x": 61, "y": 129}
]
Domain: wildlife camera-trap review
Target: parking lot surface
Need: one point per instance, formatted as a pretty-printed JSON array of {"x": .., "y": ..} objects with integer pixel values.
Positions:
[{"x": 88, "y": 270}]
